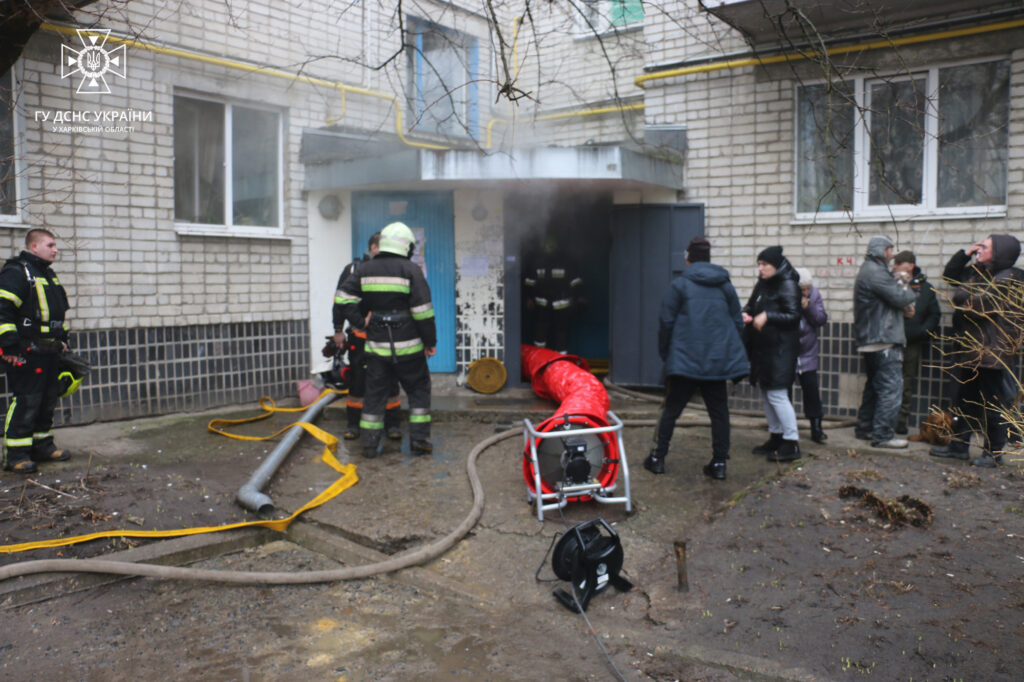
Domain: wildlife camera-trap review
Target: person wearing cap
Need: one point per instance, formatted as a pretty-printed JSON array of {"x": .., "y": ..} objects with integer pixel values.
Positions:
[
  {"x": 388, "y": 296},
  {"x": 812, "y": 318},
  {"x": 772, "y": 316},
  {"x": 879, "y": 304},
  {"x": 918, "y": 328},
  {"x": 982, "y": 289},
  {"x": 699, "y": 340}
]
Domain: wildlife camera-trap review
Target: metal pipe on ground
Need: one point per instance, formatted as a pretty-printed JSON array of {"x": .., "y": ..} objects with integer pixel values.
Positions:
[{"x": 250, "y": 495}]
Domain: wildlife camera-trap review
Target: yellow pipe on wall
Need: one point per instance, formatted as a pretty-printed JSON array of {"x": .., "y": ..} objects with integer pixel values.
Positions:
[
  {"x": 252, "y": 68},
  {"x": 846, "y": 49},
  {"x": 567, "y": 114}
]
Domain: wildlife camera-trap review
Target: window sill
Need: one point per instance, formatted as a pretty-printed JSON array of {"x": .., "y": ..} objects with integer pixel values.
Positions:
[
  {"x": 836, "y": 219},
  {"x": 587, "y": 34},
  {"x": 193, "y": 230},
  {"x": 14, "y": 223}
]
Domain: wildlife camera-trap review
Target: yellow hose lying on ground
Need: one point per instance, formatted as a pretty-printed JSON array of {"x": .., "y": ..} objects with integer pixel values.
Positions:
[
  {"x": 330, "y": 441},
  {"x": 413, "y": 558}
]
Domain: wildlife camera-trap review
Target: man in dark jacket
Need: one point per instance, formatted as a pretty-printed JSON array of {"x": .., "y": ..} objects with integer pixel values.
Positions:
[
  {"x": 991, "y": 342},
  {"x": 33, "y": 331},
  {"x": 699, "y": 340},
  {"x": 354, "y": 343},
  {"x": 918, "y": 328},
  {"x": 773, "y": 344},
  {"x": 879, "y": 305},
  {"x": 389, "y": 297}
]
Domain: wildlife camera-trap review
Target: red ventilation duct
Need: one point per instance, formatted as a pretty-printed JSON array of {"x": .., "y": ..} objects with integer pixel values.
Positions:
[{"x": 584, "y": 460}]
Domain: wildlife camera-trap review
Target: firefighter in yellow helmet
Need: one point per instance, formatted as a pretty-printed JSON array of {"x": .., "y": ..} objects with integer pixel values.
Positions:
[
  {"x": 354, "y": 344},
  {"x": 389, "y": 297}
]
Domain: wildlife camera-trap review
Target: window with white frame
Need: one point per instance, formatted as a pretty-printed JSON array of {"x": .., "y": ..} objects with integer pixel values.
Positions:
[
  {"x": 442, "y": 72},
  {"x": 602, "y": 16},
  {"x": 8, "y": 168},
  {"x": 933, "y": 141},
  {"x": 227, "y": 164}
]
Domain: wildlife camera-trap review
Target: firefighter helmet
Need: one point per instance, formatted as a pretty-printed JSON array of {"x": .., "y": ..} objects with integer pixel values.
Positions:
[
  {"x": 72, "y": 369},
  {"x": 398, "y": 239}
]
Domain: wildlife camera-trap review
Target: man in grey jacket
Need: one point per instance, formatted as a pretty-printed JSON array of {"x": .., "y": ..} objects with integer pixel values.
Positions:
[{"x": 879, "y": 305}]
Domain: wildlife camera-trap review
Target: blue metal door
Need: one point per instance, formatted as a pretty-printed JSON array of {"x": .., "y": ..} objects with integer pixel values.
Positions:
[
  {"x": 431, "y": 217},
  {"x": 648, "y": 250}
]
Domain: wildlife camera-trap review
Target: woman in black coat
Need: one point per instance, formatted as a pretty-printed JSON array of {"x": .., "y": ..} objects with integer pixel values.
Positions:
[{"x": 772, "y": 316}]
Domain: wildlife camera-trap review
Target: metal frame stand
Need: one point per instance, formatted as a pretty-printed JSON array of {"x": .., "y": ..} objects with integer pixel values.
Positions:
[{"x": 600, "y": 493}]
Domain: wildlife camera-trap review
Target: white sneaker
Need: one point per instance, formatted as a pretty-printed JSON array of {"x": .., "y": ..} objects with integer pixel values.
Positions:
[{"x": 892, "y": 444}]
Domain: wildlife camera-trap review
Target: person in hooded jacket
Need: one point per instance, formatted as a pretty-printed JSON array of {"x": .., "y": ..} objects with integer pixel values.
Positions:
[
  {"x": 982, "y": 287},
  {"x": 918, "y": 328},
  {"x": 772, "y": 316},
  {"x": 880, "y": 303},
  {"x": 812, "y": 318},
  {"x": 699, "y": 340}
]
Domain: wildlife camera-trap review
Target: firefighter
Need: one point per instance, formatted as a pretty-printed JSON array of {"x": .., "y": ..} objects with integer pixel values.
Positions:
[
  {"x": 32, "y": 335},
  {"x": 389, "y": 297},
  {"x": 354, "y": 343},
  {"x": 553, "y": 292}
]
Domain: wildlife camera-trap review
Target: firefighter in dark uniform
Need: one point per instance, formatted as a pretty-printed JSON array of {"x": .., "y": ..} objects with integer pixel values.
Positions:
[
  {"x": 354, "y": 343},
  {"x": 32, "y": 334},
  {"x": 553, "y": 291},
  {"x": 389, "y": 297}
]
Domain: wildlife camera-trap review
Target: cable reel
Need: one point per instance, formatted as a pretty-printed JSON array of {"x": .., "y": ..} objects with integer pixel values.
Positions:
[{"x": 590, "y": 561}]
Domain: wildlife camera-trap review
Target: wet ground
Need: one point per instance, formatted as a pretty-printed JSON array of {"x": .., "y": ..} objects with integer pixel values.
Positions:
[{"x": 784, "y": 578}]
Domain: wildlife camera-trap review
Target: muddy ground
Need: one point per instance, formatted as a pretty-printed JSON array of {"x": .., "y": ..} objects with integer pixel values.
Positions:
[{"x": 785, "y": 578}]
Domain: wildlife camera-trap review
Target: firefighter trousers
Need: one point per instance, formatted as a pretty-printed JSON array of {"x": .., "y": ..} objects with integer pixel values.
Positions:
[
  {"x": 357, "y": 390},
  {"x": 28, "y": 428},
  {"x": 381, "y": 374},
  {"x": 551, "y": 328}
]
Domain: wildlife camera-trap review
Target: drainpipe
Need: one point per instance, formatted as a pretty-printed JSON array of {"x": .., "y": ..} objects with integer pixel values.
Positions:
[{"x": 249, "y": 495}]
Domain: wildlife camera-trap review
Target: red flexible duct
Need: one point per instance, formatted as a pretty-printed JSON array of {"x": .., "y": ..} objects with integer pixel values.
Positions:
[{"x": 582, "y": 400}]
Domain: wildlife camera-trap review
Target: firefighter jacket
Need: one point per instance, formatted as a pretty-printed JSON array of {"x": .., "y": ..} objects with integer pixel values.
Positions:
[
  {"x": 394, "y": 289},
  {"x": 33, "y": 305},
  {"x": 338, "y": 311},
  {"x": 553, "y": 283}
]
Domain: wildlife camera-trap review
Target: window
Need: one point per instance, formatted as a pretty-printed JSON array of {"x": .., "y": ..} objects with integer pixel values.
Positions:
[
  {"x": 227, "y": 164},
  {"x": 442, "y": 75},
  {"x": 8, "y": 169},
  {"x": 601, "y": 16},
  {"x": 931, "y": 141}
]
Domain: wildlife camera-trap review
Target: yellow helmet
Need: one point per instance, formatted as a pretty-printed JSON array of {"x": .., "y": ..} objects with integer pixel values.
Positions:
[{"x": 398, "y": 239}]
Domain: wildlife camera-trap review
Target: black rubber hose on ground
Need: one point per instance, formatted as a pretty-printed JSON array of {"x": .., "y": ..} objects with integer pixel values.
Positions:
[{"x": 414, "y": 558}]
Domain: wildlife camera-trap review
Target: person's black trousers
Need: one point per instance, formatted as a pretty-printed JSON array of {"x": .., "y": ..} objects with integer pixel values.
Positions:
[
  {"x": 381, "y": 373},
  {"x": 716, "y": 400},
  {"x": 978, "y": 401},
  {"x": 811, "y": 394},
  {"x": 28, "y": 429}
]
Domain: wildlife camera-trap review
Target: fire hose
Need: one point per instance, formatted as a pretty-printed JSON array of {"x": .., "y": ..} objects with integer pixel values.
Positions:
[{"x": 416, "y": 557}]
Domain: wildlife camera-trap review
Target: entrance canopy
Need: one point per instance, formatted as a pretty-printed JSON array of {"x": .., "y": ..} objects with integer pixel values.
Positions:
[{"x": 330, "y": 164}]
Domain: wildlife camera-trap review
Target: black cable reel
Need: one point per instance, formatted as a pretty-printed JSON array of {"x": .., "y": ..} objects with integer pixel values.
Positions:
[{"x": 591, "y": 561}]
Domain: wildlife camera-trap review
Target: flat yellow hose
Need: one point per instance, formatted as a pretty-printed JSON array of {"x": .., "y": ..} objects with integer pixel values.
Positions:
[{"x": 348, "y": 479}]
